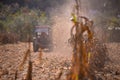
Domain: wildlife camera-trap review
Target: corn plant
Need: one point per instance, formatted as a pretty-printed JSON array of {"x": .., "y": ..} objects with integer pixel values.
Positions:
[{"x": 80, "y": 62}]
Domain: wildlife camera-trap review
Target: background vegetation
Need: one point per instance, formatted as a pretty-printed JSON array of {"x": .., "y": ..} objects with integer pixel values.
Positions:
[
  {"x": 20, "y": 21},
  {"x": 18, "y": 17},
  {"x": 106, "y": 15}
]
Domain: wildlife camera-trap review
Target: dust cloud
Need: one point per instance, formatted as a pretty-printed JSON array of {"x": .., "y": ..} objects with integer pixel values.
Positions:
[{"x": 60, "y": 17}]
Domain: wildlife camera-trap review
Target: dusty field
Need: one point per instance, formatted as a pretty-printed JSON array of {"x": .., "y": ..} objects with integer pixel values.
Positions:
[{"x": 52, "y": 64}]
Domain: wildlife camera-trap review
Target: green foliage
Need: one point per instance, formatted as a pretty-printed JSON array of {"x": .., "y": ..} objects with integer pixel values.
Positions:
[
  {"x": 114, "y": 21},
  {"x": 21, "y": 21},
  {"x": 1, "y": 5}
]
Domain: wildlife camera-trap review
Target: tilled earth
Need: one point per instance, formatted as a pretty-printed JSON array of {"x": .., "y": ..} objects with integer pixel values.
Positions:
[{"x": 53, "y": 65}]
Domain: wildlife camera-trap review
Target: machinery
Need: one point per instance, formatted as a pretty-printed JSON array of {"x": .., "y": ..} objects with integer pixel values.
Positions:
[{"x": 42, "y": 38}]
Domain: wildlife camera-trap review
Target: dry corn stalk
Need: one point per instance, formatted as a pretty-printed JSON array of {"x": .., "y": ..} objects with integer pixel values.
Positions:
[
  {"x": 29, "y": 72},
  {"x": 80, "y": 67},
  {"x": 24, "y": 59},
  {"x": 27, "y": 54},
  {"x": 40, "y": 55},
  {"x": 16, "y": 74}
]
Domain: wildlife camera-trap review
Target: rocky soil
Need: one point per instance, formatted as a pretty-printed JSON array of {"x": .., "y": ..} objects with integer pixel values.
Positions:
[{"x": 53, "y": 65}]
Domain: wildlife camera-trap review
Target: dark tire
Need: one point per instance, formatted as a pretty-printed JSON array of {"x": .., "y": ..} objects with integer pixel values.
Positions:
[
  {"x": 50, "y": 49},
  {"x": 35, "y": 46}
]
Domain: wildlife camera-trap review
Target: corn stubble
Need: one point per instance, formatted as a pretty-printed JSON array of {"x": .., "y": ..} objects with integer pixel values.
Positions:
[
  {"x": 29, "y": 71},
  {"x": 40, "y": 55},
  {"x": 24, "y": 59},
  {"x": 20, "y": 68},
  {"x": 84, "y": 61}
]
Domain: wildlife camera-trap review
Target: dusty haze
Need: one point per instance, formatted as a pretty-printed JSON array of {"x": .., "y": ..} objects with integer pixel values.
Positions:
[{"x": 60, "y": 17}]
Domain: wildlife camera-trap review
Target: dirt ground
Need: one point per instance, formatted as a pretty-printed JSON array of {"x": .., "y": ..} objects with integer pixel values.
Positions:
[{"x": 53, "y": 64}]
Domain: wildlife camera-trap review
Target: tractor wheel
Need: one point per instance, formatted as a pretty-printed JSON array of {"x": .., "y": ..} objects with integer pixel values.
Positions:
[{"x": 35, "y": 46}]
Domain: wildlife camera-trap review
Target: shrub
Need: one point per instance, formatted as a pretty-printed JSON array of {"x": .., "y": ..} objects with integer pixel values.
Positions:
[{"x": 8, "y": 38}]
